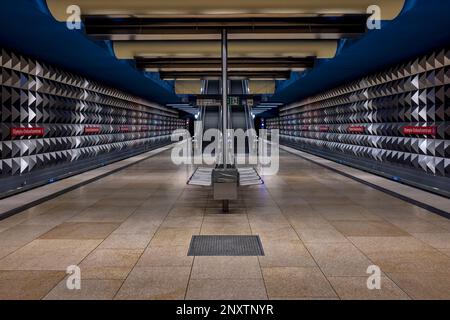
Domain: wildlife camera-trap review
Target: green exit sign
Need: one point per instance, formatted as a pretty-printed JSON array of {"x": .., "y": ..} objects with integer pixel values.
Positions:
[{"x": 234, "y": 101}]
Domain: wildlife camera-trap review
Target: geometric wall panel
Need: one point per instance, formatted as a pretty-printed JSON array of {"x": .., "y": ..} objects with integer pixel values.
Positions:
[
  {"x": 399, "y": 116},
  {"x": 73, "y": 118}
]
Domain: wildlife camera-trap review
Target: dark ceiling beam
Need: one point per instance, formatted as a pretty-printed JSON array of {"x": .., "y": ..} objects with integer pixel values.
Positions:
[
  {"x": 134, "y": 28},
  {"x": 232, "y": 75},
  {"x": 215, "y": 63}
]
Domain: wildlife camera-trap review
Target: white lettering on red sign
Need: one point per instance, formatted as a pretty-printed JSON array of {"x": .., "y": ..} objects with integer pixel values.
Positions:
[{"x": 38, "y": 131}]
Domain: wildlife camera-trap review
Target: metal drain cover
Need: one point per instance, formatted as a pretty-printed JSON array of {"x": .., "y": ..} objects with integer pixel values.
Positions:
[{"x": 225, "y": 246}]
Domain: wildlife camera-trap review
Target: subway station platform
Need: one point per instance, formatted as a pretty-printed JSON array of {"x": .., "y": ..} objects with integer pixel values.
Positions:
[
  {"x": 130, "y": 236},
  {"x": 224, "y": 155}
]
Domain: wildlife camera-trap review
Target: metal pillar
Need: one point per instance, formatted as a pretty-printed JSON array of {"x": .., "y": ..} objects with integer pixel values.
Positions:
[
  {"x": 225, "y": 180},
  {"x": 225, "y": 97}
]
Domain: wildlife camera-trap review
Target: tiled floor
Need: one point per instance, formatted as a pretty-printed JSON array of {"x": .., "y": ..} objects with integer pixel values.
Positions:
[{"x": 130, "y": 231}]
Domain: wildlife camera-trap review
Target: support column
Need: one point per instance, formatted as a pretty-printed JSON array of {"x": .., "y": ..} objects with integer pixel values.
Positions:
[
  {"x": 225, "y": 180},
  {"x": 224, "y": 97}
]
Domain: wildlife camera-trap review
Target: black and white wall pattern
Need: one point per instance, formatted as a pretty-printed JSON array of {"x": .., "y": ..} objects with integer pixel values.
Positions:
[
  {"x": 50, "y": 118},
  {"x": 399, "y": 117}
]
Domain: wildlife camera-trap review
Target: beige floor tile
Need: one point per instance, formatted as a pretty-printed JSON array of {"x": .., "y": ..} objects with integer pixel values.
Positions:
[
  {"x": 298, "y": 211},
  {"x": 213, "y": 217},
  {"x": 155, "y": 210},
  {"x": 139, "y": 225},
  {"x": 180, "y": 211},
  {"x": 402, "y": 209},
  {"x": 367, "y": 229},
  {"x": 276, "y": 234},
  {"x": 220, "y": 289},
  {"x": 4, "y": 251},
  {"x": 326, "y": 235},
  {"x": 27, "y": 285},
  {"x": 126, "y": 241},
  {"x": 423, "y": 286},
  {"x": 339, "y": 259},
  {"x": 436, "y": 240},
  {"x": 49, "y": 255},
  {"x": 336, "y": 212},
  {"x": 445, "y": 251},
  {"x": 81, "y": 231},
  {"x": 286, "y": 254},
  {"x": 355, "y": 288},
  {"x": 15, "y": 220},
  {"x": 168, "y": 256},
  {"x": 226, "y": 268},
  {"x": 57, "y": 216},
  {"x": 226, "y": 229},
  {"x": 440, "y": 222},
  {"x": 413, "y": 261},
  {"x": 4, "y": 228},
  {"x": 312, "y": 222},
  {"x": 182, "y": 222},
  {"x": 109, "y": 264},
  {"x": 263, "y": 211},
  {"x": 104, "y": 213},
  {"x": 268, "y": 221},
  {"x": 157, "y": 283},
  {"x": 389, "y": 244},
  {"x": 415, "y": 225},
  {"x": 90, "y": 290},
  {"x": 256, "y": 203},
  {"x": 303, "y": 201},
  {"x": 297, "y": 283},
  {"x": 174, "y": 236},
  {"x": 20, "y": 235}
]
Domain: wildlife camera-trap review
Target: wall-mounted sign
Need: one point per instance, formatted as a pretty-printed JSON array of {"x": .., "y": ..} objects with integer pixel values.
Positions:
[
  {"x": 430, "y": 130},
  {"x": 304, "y": 128},
  {"x": 324, "y": 128},
  {"x": 356, "y": 129},
  {"x": 234, "y": 101},
  {"x": 19, "y": 132},
  {"x": 124, "y": 129},
  {"x": 207, "y": 102},
  {"x": 90, "y": 130}
]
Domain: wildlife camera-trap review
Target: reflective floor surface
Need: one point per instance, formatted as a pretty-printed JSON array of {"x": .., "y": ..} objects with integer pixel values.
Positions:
[{"x": 129, "y": 233}]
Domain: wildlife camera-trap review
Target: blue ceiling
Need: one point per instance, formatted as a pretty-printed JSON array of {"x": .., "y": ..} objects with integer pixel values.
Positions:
[
  {"x": 422, "y": 26},
  {"x": 27, "y": 27}
]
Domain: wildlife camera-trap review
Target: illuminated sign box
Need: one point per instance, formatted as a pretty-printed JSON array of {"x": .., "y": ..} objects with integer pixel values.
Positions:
[
  {"x": 431, "y": 130},
  {"x": 89, "y": 130},
  {"x": 18, "y": 132},
  {"x": 356, "y": 129}
]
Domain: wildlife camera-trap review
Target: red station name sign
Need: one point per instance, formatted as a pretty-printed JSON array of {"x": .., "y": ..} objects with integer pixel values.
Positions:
[
  {"x": 92, "y": 130},
  {"x": 18, "y": 132},
  {"x": 356, "y": 129},
  {"x": 431, "y": 130}
]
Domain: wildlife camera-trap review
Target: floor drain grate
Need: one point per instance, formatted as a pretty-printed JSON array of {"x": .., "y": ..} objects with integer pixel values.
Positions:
[{"x": 225, "y": 246}]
